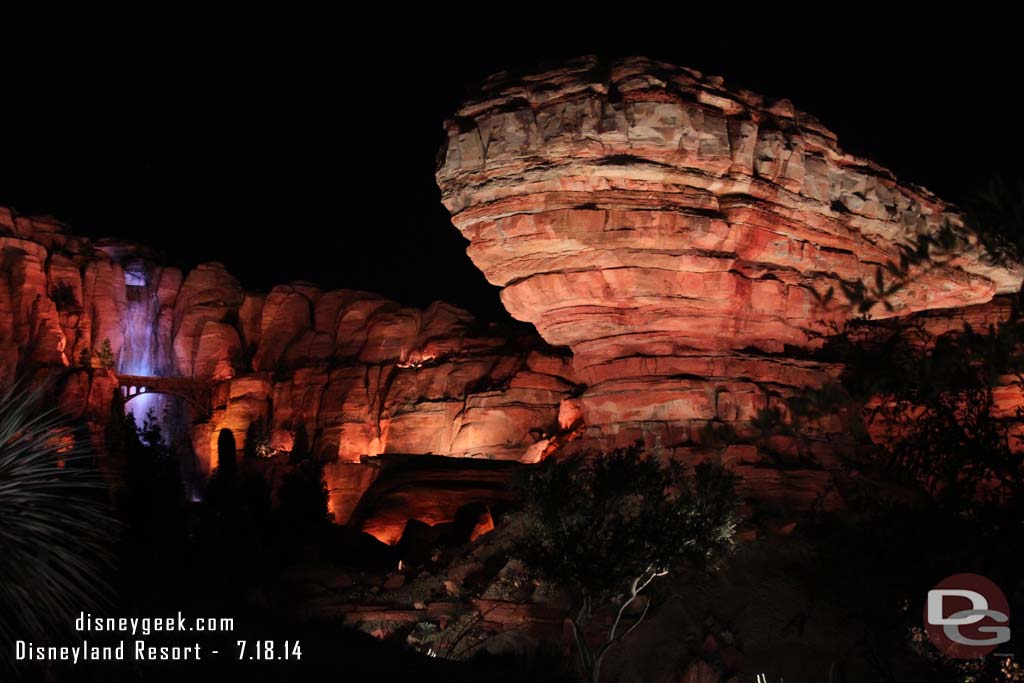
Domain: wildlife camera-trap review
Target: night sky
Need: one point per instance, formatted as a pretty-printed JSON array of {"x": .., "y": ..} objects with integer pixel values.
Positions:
[{"x": 290, "y": 153}]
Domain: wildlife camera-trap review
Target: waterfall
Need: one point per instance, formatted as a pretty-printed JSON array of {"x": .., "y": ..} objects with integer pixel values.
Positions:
[
  {"x": 140, "y": 353},
  {"x": 144, "y": 354}
]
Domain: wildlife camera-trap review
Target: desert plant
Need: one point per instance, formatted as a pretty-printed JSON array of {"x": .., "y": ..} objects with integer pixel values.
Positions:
[
  {"x": 151, "y": 432},
  {"x": 607, "y": 525},
  {"x": 301, "y": 450},
  {"x": 105, "y": 356},
  {"x": 56, "y": 532},
  {"x": 998, "y": 209},
  {"x": 303, "y": 500},
  {"x": 257, "y": 440}
]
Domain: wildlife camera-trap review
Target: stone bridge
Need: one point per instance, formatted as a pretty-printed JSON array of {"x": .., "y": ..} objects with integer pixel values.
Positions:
[{"x": 196, "y": 392}]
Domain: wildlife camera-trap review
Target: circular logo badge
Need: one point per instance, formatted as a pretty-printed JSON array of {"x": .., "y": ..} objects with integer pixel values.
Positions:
[{"x": 967, "y": 616}]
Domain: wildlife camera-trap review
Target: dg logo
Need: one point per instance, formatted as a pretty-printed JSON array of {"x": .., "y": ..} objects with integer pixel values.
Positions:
[{"x": 967, "y": 616}]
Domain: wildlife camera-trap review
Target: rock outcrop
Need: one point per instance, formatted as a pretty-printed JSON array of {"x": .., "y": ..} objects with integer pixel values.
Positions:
[
  {"x": 683, "y": 249},
  {"x": 428, "y": 489},
  {"x": 361, "y": 375},
  {"x": 691, "y": 244}
]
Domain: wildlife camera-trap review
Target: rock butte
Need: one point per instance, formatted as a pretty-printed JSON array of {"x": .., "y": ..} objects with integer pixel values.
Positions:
[
  {"x": 679, "y": 237},
  {"x": 663, "y": 234}
]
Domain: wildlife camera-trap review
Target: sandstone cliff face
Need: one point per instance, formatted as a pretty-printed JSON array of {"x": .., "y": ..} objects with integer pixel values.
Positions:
[
  {"x": 364, "y": 376},
  {"x": 682, "y": 238},
  {"x": 361, "y": 374},
  {"x": 674, "y": 242}
]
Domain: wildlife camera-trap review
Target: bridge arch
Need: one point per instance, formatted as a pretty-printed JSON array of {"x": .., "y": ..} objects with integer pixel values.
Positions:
[{"x": 197, "y": 393}]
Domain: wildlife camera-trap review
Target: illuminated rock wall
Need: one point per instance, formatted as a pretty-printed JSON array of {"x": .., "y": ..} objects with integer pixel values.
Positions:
[
  {"x": 361, "y": 374},
  {"x": 680, "y": 237},
  {"x": 670, "y": 239}
]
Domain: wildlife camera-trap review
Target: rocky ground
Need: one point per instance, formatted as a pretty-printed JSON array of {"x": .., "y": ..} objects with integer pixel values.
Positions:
[{"x": 774, "y": 609}]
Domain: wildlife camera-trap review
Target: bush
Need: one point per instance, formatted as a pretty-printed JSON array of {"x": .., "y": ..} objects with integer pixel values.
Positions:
[
  {"x": 257, "y": 440},
  {"x": 105, "y": 356},
  {"x": 57, "y": 533},
  {"x": 607, "y": 525},
  {"x": 303, "y": 501}
]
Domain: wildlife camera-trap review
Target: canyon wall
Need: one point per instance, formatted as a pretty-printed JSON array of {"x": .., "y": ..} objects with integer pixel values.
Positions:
[
  {"x": 682, "y": 249},
  {"x": 693, "y": 245},
  {"x": 361, "y": 374}
]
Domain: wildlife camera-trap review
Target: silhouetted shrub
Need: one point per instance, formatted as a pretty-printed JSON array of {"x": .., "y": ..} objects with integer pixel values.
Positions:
[
  {"x": 56, "y": 534},
  {"x": 301, "y": 450},
  {"x": 257, "y": 440},
  {"x": 303, "y": 501},
  {"x": 606, "y": 525},
  {"x": 105, "y": 356}
]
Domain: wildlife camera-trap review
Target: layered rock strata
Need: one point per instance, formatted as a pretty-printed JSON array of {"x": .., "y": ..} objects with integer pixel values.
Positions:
[
  {"x": 683, "y": 249},
  {"x": 691, "y": 244},
  {"x": 360, "y": 374}
]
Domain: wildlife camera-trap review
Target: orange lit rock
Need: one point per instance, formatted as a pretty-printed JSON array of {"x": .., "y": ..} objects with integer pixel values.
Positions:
[
  {"x": 286, "y": 314},
  {"x": 105, "y": 301},
  {"x": 346, "y": 484},
  {"x": 62, "y": 272},
  {"x": 87, "y": 395},
  {"x": 429, "y": 489},
  {"x": 34, "y": 319},
  {"x": 218, "y": 350},
  {"x": 484, "y": 525},
  {"x": 209, "y": 294},
  {"x": 634, "y": 206},
  {"x": 364, "y": 375},
  {"x": 673, "y": 233},
  {"x": 249, "y": 320},
  {"x": 923, "y": 330},
  {"x": 237, "y": 404}
]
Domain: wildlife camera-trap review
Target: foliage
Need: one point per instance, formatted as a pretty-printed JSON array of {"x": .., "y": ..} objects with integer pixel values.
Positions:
[
  {"x": 105, "y": 356},
  {"x": 236, "y": 529},
  {"x": 599, "y": 521},
  {"x": 946, "y": 434},
  {"x": 56, "y": 531},
  {"x": 257, "y": 440},
  {"x": 923, "y": 254},
  {"x": 303, "y": 500},
  {"x": 607, "y": 525},
  {"x": 151, "y": 433},
  {"x": 152, "y": 498},
  {"x": 717, "y": 434},
  {"x": 998, "y": 210},
  {"x": 301, "y": 450},
  {"x": 85, "y": 358},
  {"x": 63, "y": 296},
  {"x": 801, "y": 409},
  {"x": 935, "y": 395}
]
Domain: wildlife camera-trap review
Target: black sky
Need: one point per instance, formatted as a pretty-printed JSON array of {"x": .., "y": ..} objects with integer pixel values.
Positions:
[{"x": 297, "y": 153}]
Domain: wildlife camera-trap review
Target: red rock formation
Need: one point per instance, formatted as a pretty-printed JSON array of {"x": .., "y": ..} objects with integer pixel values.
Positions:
[
  {"x": 363, "y": 375},
  {"x": 675, "y": 235},
  {"x": 366, "y": 376},
  {"x": 678, "y": 236},
  {"x": 431, "y": 490}
]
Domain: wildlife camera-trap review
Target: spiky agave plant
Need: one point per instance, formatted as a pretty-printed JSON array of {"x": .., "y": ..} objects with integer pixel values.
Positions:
[{"x": 56, "y": 531}]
